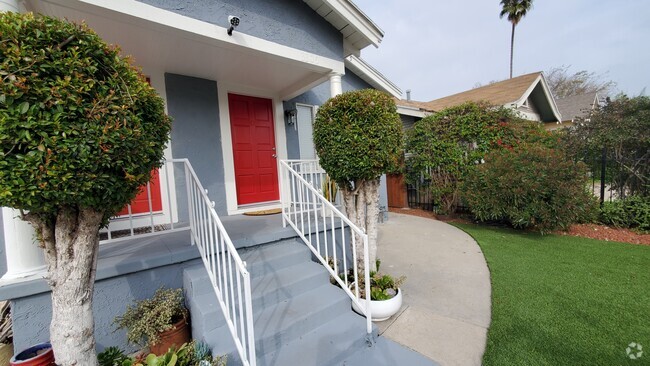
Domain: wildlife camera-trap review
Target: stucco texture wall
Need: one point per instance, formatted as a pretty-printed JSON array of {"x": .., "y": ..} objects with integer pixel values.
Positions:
[
  {"x": 287, "y": 22},
  {"x": 194, "y": 106},
  {"x": 31, "y": 315}
]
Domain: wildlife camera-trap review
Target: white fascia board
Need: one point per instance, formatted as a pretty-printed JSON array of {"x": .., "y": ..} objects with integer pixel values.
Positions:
[
  {"x": 370, "y": 75},
  {"x": 410, "y": 111},
  {"x": 357, "y": 19},
  {"x": 203, "y": 31},
  {"x": 547, "y": 92}
]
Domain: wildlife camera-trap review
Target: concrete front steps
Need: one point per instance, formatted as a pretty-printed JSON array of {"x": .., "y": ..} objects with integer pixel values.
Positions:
[{"x": 299, "y": 317}]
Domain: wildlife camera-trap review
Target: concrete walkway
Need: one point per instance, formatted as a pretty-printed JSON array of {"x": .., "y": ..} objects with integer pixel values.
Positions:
[{"x": 446, "y": 308}]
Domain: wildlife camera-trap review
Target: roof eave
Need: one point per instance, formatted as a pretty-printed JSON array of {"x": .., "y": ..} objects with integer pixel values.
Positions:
[
  {"x": 370, "y": 75},
  {"x": 547, "y": 92}
]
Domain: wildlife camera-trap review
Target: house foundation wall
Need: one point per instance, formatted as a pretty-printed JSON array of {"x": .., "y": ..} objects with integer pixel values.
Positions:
[{"x": 31, "y": 315}]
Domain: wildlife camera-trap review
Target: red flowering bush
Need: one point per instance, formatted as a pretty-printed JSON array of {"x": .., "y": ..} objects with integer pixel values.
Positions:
[{"x": 529, "y": 186}]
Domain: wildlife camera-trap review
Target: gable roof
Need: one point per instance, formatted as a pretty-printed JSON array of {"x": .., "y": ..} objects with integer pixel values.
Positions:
[
  {"x": 509, "y": 93},
  {"x": 499, "y": 93},
  {"x": 577, "y": 105},
  {"x": 359, "y": 31}
]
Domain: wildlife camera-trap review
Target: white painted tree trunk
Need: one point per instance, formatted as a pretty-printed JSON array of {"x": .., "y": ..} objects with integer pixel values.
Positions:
[
  {"x": 71, "y": 244},
  {"x": 362, "y": 208},
  {"x": 372, "y": 219}
]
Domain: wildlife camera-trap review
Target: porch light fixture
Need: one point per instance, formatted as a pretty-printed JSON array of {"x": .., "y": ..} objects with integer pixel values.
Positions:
[
  {"x": 291, "y": 116},
  {"x": 234, "y": 22}
]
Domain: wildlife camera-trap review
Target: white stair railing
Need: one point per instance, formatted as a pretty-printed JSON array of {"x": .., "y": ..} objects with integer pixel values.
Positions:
[
  {"x": 328, "y": 233},
  {"x": 227, "y": 272}
]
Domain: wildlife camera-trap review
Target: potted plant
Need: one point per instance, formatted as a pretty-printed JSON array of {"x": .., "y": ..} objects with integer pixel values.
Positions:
[
  {"x": 329, "y": 190},
  {"x": 160, "y": 322},
  {"x": 38, "y": 355},
  {"x": 385, "y": 294}
]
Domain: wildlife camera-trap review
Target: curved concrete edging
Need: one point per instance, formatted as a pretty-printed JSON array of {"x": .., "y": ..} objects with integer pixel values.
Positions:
[{"x": 447, "y": 294}]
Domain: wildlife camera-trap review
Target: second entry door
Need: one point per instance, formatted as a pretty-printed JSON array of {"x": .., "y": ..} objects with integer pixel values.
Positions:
[{"x": 253, "y": 143}]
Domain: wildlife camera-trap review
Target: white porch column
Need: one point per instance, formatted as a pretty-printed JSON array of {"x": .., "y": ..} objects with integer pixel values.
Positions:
[
  {"x": 24, "y": 257},
  {"x": 335, "y": 84},
  {"x": 9, "y": 5}
]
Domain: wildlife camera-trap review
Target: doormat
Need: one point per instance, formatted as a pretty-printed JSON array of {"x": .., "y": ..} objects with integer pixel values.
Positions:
[{"x": 264, "y": 212}]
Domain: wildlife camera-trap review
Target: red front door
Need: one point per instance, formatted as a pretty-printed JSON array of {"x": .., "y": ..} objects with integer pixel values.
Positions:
[{"x": 253, "y": 144}]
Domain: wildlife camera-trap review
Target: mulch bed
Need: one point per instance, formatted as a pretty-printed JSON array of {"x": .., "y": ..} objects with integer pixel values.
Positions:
[{"x": 592, "y": 231}]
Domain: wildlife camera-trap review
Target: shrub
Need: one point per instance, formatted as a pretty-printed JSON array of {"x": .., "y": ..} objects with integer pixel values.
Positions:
[
  {"x": 147, "y": 318},
  {"x": 632, "y": 212},
  {"x": 529, "y": 186},
  {"x": 445, "y": 145}
]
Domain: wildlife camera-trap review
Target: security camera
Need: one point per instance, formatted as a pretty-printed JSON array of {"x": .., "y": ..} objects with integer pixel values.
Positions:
[{"x": 234, "y": 22}]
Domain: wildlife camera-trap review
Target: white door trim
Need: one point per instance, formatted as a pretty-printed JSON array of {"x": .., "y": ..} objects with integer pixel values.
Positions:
[{"x": 223, "y": 89}]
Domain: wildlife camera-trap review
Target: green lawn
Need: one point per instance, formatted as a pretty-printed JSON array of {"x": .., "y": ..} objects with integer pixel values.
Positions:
[{"x": 560, "y": 300}]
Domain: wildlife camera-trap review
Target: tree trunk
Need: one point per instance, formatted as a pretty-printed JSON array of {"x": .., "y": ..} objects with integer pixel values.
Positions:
[
  {"x": 71, "y": 244},
  {"x": 512, "y": 47},
  {"x": 372, "y": 219},
  {"x": 361, "y": 223}
]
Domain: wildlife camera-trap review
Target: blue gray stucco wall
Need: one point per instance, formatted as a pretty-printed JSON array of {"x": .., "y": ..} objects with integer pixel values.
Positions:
[
  {"x": 287, "y": 22},
  {"x": 31, "y": 315},
  {"x": 194, "y": 106}
]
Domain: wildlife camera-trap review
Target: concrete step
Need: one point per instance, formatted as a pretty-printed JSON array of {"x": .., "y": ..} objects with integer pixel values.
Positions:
[
  {"x": 266, "y": 290},
  {"x": 286, "y": 321},
  {"x": 329, "y": 344},
  {"x": 259, "y": 260}
]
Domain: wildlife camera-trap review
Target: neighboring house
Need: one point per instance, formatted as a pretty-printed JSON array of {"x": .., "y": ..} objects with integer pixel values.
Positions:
[
  {"x": 527, "y": 94},
  {"x": 577, "y": 107},
  {"x": 239, "y": 103}
]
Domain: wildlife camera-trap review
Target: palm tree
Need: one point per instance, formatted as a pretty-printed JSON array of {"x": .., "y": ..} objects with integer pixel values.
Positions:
[{"x": 515, "y": 9}]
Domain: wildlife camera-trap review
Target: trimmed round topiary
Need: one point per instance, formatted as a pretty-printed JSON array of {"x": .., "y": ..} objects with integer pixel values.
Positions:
[
  {"x": 358, "y": 136},
  {"x": 79, "y": 124}
]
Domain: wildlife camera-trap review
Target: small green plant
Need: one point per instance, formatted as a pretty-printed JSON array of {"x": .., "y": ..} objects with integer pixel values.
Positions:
[
  {"x": 146, "y": 319},
  {"x": 111, "y": 356},
  {"x": 382, "y": 286},
  {"x": 632, "y": 212},
  {"x": 189, "y": 354}
]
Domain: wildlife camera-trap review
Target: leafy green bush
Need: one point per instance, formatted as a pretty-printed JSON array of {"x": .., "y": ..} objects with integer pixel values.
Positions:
[
  {"x": 147, "y": 318},
  {"x": 79, "y": 125},
  {"x": 529, "y": 186},
  {"x": 446, "y": 144},
  {"x": 631, "y": 212}
]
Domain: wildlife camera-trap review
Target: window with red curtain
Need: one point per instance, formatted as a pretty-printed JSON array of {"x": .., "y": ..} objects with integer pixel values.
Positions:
[{"x": 140, "y": 203}]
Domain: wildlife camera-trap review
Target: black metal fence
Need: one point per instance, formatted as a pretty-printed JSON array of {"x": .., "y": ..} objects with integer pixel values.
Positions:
[{"x": 614, "y": 177}]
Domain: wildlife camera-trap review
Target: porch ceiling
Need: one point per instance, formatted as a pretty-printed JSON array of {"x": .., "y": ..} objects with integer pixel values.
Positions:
[{"x": 194, "y": 48}]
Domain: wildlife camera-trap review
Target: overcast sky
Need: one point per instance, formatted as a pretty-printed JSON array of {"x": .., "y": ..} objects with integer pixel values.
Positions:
[{"x": 438, "y": 48}]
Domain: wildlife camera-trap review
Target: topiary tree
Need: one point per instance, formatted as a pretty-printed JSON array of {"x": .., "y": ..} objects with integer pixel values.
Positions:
[
  {"x": 80, "y": 132},
  {"x": 358, "y": 137}
]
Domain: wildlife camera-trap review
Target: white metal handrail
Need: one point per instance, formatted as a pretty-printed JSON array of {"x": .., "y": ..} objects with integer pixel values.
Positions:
[
  {"x": 321, "y": 225},
  {"x": 228, "y": 274}
]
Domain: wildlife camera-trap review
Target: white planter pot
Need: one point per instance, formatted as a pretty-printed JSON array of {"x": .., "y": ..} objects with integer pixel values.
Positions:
[{"x": 382, "y": 309}]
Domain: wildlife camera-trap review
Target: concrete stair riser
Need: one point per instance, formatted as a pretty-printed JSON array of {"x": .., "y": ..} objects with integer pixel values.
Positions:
[{"x": 266, "y": 290}]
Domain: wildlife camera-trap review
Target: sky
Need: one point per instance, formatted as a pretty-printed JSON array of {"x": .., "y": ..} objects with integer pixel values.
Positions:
[{"x": 439, "y": 48}]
